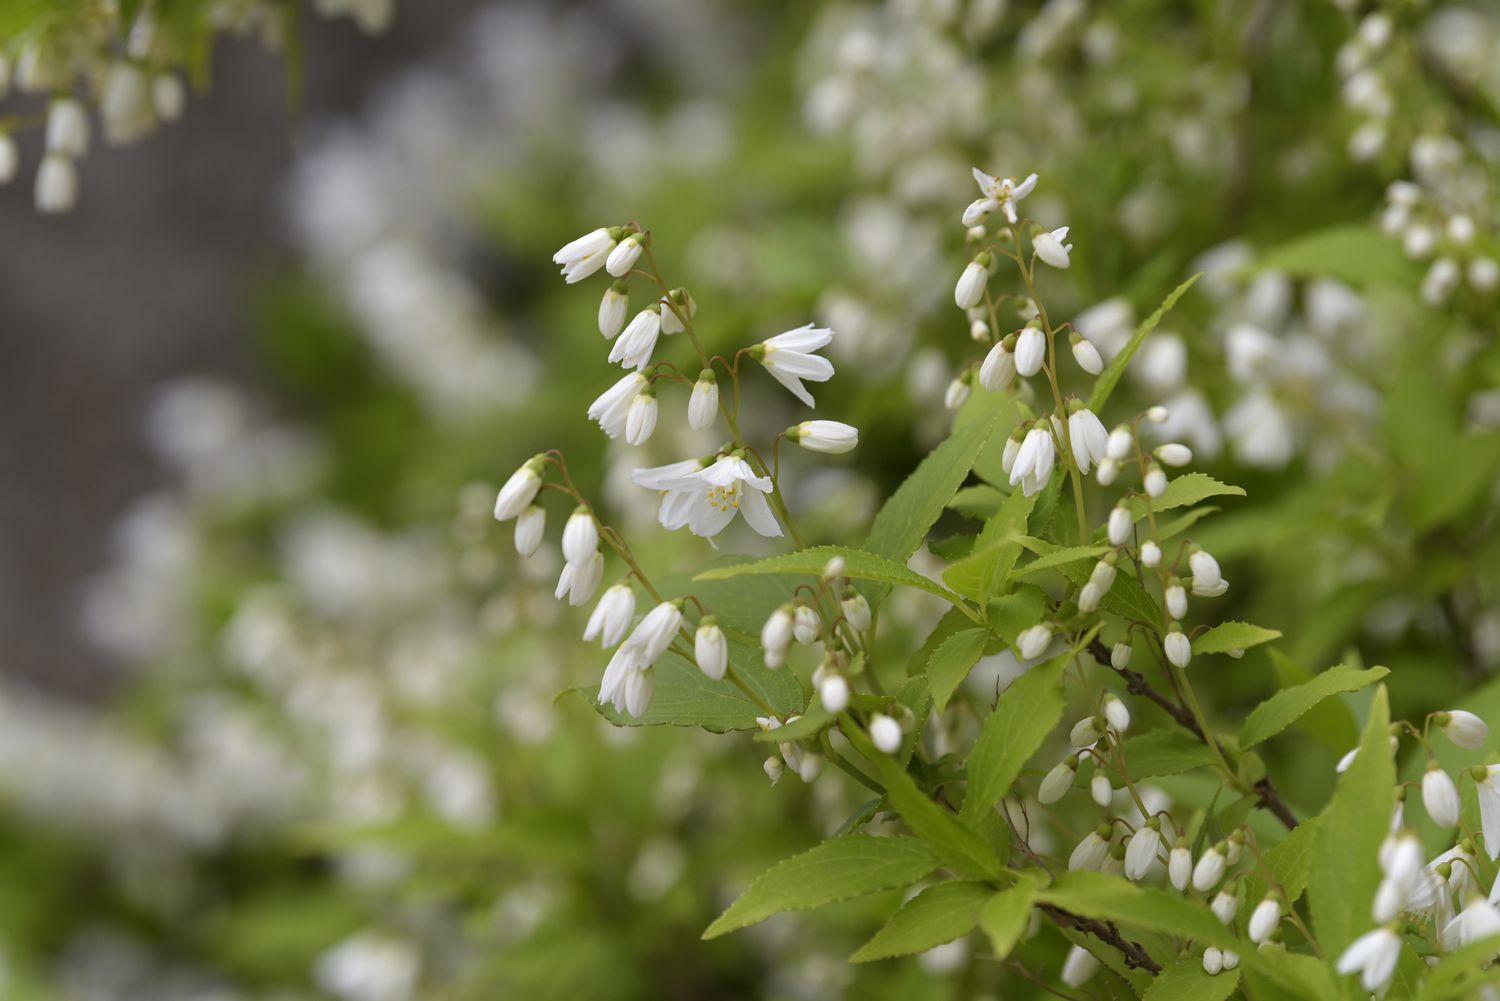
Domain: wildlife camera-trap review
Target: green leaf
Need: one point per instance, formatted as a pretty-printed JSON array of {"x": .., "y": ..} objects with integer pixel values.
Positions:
[
  {"x": 1009, "y": 614},
  {"x": 956, "y": 843},
  {"x": 937, "y": 915},
  {"x": 1007, "y": 915},
  {"x": 1288, "y": 705},
  {"x": 995, "y": 550},
  {"x": 1345, "y": 870},
  {"x": 978, "y": 502},
  {"x": 1183, "y": 522},
  {"x": 905, "y": 518},
  {"x": 1289, "y": 862},
  {"x": 1165, "y": 751},
  {"x": 951, "y": 663},
  {"x": 1062, "y": 557},
  {"x": 1186, "y": 980},
  {"x": 1460, "y": 973},
  {"x": 1359, "y": 255},
  {"x": 1184, "y": 491},
  {"x": 846, "y": 867},
  {"x": 1113, "y": 898},
  {"x": 1026, "y": 713},
  {"x": 857, "y": 564},
  {"x": 1330, "y": 722},
  {"x": 1294, "y": 973},
  {"x": 1228, "y": 636},
  {"x": 1105, "y": 384}
]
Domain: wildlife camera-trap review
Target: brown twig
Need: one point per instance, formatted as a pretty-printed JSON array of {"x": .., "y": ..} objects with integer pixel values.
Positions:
[
  {"x": 1136, "y": 683},
  {"x": 1135, "y": 954}
]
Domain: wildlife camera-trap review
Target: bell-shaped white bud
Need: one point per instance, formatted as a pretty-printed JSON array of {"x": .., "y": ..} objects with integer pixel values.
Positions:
[
  {"x": 710, "y": 650},
  {"x": 703, "y": 404},
  {"x": 1179, "y": 649},
  {"x": 530, "y": 524},
  {"x": 885, "y": 733}
]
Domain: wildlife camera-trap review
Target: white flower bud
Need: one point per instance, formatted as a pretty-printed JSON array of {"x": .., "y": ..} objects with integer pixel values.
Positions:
[
  {"x": 1205, "y": 569},
  {"x": 1087, "y": 356},
  {"x": 1150, "y": 554},
  {"x": 1051, "y": 249},
  {"x": 710, "y": 649},
  {"x": 773, "y": 768},
  {"x": 970, "y": 288},
  {"x": 1346, "y": 761},
  {"x": 1179, "y": 649},
  {"x": 1089, "y": 597},
  {"x": 1156, "y": 481},
  {"x": 1086, "y": 732},
  {"x": 1119, "y": 656},
  {"x": 1483, "y": 274},
  {"x": 1079, "y": 967},
  {"x": 1033, "y": 642},
  {"x": 1057, "y": 781},
  {"x": 529, "y": 527},
  {"x": 580, "y": 537},
  {"x": 1388, "y": 900},
  {"x": 811, "y": 767},
  {"x": 1231, "y": 959},
  {"x": 703, "y": 404},
  {"x": 1120, "y": 443},
  {"x": 1213, "y": 961},
  {"x": 1180, "y": 866},
  {"x": 834, "y": 568},
  {"x": 1177, "y": 603},
  {"x": 1464, "y": 728},
  {"x": 1157, "y": 415},
  {"x": 640, "y": 419},
  {"x": 67, "y": 127},
  {"x": 834, "y": 692},
  {"x": 623, "y": 257},
  {"x": 1461, "y": 229},
  {"x": 1209, "y": 870},
  {"x": 1012, "y": 449},
  {"x": 125, "y": 106},
  {"x": 56, "y": 184},
  {"x": 806, "y": 625},
  {"x": 1091, "y": 851},
  {"x": 1140, "y": 852},
  {"x": 579, "y": 581},
  {"x": 885, "y": 733},
  {"x": 519, "y": 491},
  {"x": 168, "y": 96},
  {"x": 1116, "y": 714},
  {"x": 957, "y": 394},
  {"x": 1174, "y": 454},
  {"x": 830, "y": 437},
  {"x": 857, "y": 612},
  {"x": 611, "y": 616},
  {"x": 979, "y": 331},
  {"x": 1224, "y": 905},
  {"x": 776, "y": 636},
  {"x": 1108, "y": 472},
  {"x": 999, "y": 368},
  {"x": 1121, "y": 524},
  {"x": 1264, "y": 919},
  {"x": 1031, "y": 351},
  {"x": 612, "y": 310}
]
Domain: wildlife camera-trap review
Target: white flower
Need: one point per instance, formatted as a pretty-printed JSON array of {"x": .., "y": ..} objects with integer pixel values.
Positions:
[
  {"x": 1103, "y": 577},
  {"x": 789, "y": 359},
  {"x": 1209, "y": 870},
  {"x": 1086, "y": 732},
  {"x": 831, "y": 437},
  {"x": 580, "y": 539},
  {"x": 1086, "y": 355},
  {"x": 1088, "y": 438},
  {"x": 857, "y": 612},
  {"x": 1079, "y": 966},
  {"x": 1440, "y": 796},
  {"x": 710, "y": 649},
  {"x": 125, "y": 105},
  {"x": 628, "y": 684},
  {"x": 1179, "y": 649},
  {"x": 806, "y": 625},
  {"x": 1057, "y": 781},
  {"x": 1155, "y": 481},
  {"x": 1051, "y": 249},
  {"x": 1121, "y": 524},
  {"x": 1100, "y": 789},
  {"x": 1033, "y": 642},
  {"x": 612, "y": 310},
  {"x": 1174, "y": 454},
  {"x": 1464, "y": 728},
  {"x": 1031, "y": 351},
  {"x": 1224, "y": 905},
  {"x": 1120, "y": 441},
  {"x": 671, "y": 319},
  {"x": 579, "y": 581},
  {"x": 1488, "y": 788},
  {"x": 168, "y": 96},
  {"x": 1140, "y": 852},
  {"x": 656, "y": 632},
  {"x": 1176, "y": 600},
  {"x": 611, "y": 411},
  {"x": 633, "y": 347},
  {"x": 1206, "y": 575},
  {"x": 585, "y": 255},
  {"x": 611, "y": 616},
  {"x": 1150, "y": 554},
  {"x": 1440, "y": 281},
  {"x": 834, "y": 692},
  {"x": 1091, "y": 851},
  {"x": 519, "y": 491},
  {"x": 1034, "y": 462},
  {"x": 1264, "y": 919},
  {"x": 957, "y": 393},
  {"x": 998, "y": 369},
  {"x": 776, "y": 636},
  {"x": 623, "y": 257},
  {"x": 1003, "y": 192},
  {"x": 969, "y": 289},
  {"x": 713, "y": 496},
  {"x": 1484, "y": 274},
  {"x": 1180, "y": 866},
  {"x": 1477, "y": 921},
  {"x": 640, "y": 419},
  {"x": 1373, "y": 956},
  {"x": 885, "y": 733},
  {"x": 1012, "y": 449},
  {"x": 56, "y": 184},
  {"x": 67, "y": 127},
  {"x": 1119, "y": 656},
  {"x": 703, "y": 405},
  {"x": 1213, "y": 961},
  {"x": 530, "y": 524},
  {"x": 773, "y": 768}
]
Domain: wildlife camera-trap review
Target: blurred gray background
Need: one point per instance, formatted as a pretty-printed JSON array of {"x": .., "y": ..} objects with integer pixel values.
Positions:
[{"x": 145, "y": 280}]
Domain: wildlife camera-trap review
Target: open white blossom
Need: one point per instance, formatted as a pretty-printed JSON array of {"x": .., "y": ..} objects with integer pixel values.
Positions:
[{"x": 789, "y": 358}]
